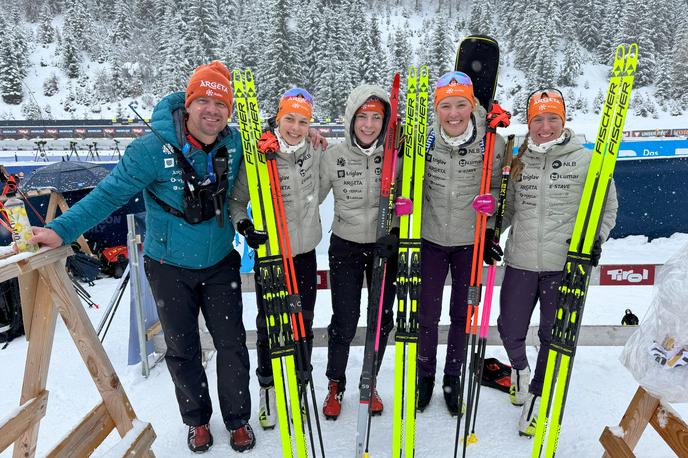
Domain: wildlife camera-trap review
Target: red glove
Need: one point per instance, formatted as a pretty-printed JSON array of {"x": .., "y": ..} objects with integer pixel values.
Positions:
[
  {"x": 498, "y": 116},
  {"x": 268, "y": 143}
]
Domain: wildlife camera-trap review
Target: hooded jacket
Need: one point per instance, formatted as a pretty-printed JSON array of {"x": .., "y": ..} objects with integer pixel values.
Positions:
[{"x": 354, "y": 177}]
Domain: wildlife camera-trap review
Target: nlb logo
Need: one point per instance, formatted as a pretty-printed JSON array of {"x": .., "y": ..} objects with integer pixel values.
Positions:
[{"x": 628, "y": 275}]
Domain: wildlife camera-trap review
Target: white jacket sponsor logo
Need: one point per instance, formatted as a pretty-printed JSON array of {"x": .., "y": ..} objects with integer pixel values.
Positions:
[{"x": 215, "y": 85}]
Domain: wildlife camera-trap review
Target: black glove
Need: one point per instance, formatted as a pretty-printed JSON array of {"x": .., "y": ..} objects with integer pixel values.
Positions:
[
  {"x": 596, "y": 252},
  {"x": 492, "y": 251},
  {"x": 387, "y": 245},
  {"x": 254, "y": 238}
]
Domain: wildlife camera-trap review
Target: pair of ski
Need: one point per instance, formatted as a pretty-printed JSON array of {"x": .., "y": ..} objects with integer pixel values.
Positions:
[
  {"x": 576, "y": 275},
  {"x": 275, "y": 267},
  {"x": 408, "y": 275}
]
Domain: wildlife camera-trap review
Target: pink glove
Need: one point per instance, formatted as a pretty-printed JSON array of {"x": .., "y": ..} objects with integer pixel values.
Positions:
[
  {"x": 403, "y": 206},
  {"x": 485, "y": 203}
]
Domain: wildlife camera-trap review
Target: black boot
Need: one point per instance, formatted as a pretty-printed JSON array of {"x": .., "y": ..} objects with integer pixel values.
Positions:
[
  {"x": 424, "y": 391},
  {"x": 450, "y": 386}
]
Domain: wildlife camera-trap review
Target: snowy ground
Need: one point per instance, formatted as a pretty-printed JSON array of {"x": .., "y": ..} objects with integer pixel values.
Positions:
[{"x": 600, "y": 391}]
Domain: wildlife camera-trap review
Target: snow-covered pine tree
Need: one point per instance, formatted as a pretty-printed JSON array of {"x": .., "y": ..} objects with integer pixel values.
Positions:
[
  {"x": 679, "y": 58},
  {"x": 374, "y": 59},
  {"x": 663, "y": 86},
  {"x": 12, "y": 63},
  {"x": 571, "y": 67},
  {"x": 51, "y": 86},
  {"x": 588, "y": 12},
  {"x": 598, "y": 102},
  {"x": 481, "y": 18},
  {"x": 122, "y": 30},
  {"x": 46, "y": 33},
  {"x": 441, "y": 52},
  {"x": 274, "y": 74}
]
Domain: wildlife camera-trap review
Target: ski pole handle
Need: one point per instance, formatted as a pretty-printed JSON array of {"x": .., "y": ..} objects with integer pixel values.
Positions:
[
  {"x": 485, "y": 204},
  {"x": 403, "y": 206}
]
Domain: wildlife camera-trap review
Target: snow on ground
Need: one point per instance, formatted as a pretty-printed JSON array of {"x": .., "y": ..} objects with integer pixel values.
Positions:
[{"x": 600, "y": 391}]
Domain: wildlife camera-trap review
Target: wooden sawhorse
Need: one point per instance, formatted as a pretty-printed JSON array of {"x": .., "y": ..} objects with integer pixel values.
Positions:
[{"x": 46, "y": 291}]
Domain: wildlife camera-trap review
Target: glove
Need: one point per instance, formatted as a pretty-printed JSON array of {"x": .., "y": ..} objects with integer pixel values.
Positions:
[
  {"x": 492, "y": 252},
  {"x": 387, "y": 245},
  {"x": 596, "y": 252},
  {"x": 268, "y": 143},
  {"x": 254, "y": 238}
]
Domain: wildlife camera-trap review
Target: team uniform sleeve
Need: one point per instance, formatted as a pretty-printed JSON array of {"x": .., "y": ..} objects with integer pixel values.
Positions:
[{"x": 238, "y": 201}]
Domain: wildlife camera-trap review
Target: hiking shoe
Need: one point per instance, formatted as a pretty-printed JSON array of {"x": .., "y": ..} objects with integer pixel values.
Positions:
[
  {"x": 528, "y": 421},
  {"x": 242, "y": 439},
  {"x": 377, "y": 403},
  {"x": 332, "y": 406},
  {"x": 451, "y": 387},
  {"x": 518, "y": 390},
  {"x": 267, "y": 409},
  {"x": 424, "y": 391},
  {"x": 199, "y": 438}
]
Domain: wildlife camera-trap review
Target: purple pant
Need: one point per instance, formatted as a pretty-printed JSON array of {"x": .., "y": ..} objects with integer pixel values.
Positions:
[
  {"x": 521, "y": 290},
  {"x": 435, "y": 263}
]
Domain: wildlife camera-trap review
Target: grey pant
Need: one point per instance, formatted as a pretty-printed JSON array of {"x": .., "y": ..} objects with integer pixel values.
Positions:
[{"x": 521, "y": 290}]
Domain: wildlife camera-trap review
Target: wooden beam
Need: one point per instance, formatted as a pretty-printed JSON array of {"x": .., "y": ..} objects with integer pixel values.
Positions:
[
  {"x": 30, "y": 413},
  {"x": 672, "y": 429},
  {"x": 37, "y": 363},
  {"x": 89, "y": 346},
  {"x": 81, "y": 240},
  {"x": 142, "y": 444},
  {"x": 52, "y": 207},
  {"x": 28, "y": 286},
  {"x": 153, "y": 330},
  {"x": 637, "y": 416},
  {"x": 87, "y": 436},
  {"x": 614, "y": 446}
]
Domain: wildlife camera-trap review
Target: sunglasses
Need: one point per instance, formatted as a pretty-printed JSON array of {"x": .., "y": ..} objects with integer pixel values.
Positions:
[
  {"x": 454, "y": 78},
  {"x": 298, "y": 92}
]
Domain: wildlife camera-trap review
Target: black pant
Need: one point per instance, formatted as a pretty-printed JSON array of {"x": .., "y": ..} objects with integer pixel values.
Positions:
[
  {"x": 349, "y": 261},
  {"x": 306, "y": 271},
  {"x": 179, "y": 294}
]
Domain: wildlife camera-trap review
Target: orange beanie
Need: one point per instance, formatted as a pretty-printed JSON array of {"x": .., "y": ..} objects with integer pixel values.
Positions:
[
  {"x": 211, "y": 80},
  {"x": 297, "y": 101},
  {"x": 546, "y": 101},
  {"x": 372, "y": 104}
]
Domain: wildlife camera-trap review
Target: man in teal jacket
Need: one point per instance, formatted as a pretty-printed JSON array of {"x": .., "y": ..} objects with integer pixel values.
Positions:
[{"x": 186, "y": 169}]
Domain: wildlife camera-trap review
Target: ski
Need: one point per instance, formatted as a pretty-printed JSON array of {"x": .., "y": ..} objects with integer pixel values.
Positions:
[
  {"x": 478, "y": 57},
  {"x": 408, "y": 274},
  {"x": 576, "y": 273},
  {"x": 376, "y": 291},
  {"x": 294, "y": 301},
  {"x": 270, "y": 268}
]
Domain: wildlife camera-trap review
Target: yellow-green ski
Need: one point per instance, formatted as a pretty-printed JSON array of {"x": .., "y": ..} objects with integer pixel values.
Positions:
[{"x": 576, "y": 275}]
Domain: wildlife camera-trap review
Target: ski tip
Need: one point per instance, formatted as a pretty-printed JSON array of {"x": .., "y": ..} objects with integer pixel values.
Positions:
[
  {"x": 472, "y": 439},
  {"x": 632, "y": 58}
]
